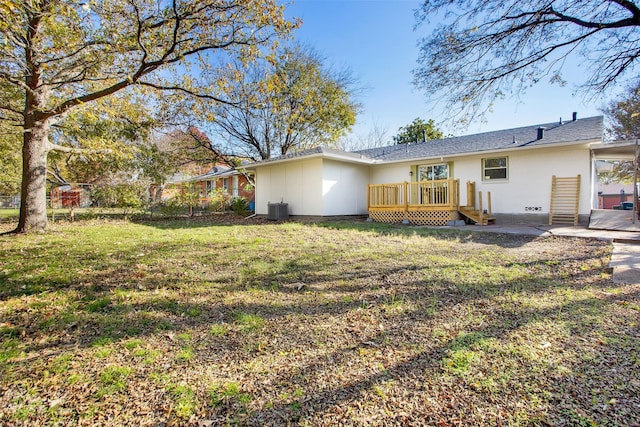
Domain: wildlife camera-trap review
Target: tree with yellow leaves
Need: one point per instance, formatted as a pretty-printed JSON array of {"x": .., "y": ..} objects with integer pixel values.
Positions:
[
  {"x": 59, "y": 56},
  {"x": 290, "y": 103}
]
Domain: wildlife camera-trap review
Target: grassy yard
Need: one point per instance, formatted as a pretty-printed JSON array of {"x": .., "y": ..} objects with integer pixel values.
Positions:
[
  {"x": 9, "y": 215},
  {"x": 346, "y": 323},
  {"x": 64, "y": 214}
]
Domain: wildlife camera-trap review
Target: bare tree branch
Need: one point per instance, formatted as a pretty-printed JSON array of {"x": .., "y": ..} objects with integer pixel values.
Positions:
[
  {"x": 291, "y": 104},
  {"x": 188, "y": 92},
  {"x": 485, "y": 50}
]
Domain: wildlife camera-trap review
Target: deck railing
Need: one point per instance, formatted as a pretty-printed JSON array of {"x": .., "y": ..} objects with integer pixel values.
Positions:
[
  {"x": 403, "y": 195},
  {"x": 387, "y": 195}
]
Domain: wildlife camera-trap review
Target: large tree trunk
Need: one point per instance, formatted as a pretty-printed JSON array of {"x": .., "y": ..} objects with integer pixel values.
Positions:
[{"x": 33, "y": 208}]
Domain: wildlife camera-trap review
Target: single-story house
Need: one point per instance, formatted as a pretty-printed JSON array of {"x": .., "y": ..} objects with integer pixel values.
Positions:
[{"x": 526, "y": 174}]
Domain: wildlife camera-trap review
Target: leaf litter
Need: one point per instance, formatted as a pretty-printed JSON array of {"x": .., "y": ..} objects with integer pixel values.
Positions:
[{"x": 346, "y": 324}]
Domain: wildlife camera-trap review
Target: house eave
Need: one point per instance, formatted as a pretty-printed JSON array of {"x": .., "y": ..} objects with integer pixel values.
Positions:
[
  {"x": 616, "y": 150},
  {"x": 345, "y": 157}
]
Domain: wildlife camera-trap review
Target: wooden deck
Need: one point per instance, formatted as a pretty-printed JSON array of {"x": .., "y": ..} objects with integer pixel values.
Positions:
[{"x": 424, "y": 203}]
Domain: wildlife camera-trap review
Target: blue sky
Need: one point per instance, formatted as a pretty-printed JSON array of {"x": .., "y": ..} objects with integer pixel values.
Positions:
[{"x": 376, "y": 40}]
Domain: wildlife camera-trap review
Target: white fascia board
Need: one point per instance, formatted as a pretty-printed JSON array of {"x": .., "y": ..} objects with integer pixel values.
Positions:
[
  {"x": 617, "y": 150},
  {"x": 349, "y": 159},
  {"x": 209, "y": 177},
  {"x": 280, "y": 161},
  {"x": 330, "y": 156}
]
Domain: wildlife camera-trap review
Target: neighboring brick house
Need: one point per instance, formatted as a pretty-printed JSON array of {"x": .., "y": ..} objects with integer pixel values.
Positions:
[
  {"x": 610, "y": 195},
  {"x": 225, "y": 178}
]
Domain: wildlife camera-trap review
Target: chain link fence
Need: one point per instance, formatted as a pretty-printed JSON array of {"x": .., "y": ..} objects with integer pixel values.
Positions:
[
  {"x": 62, "y": 197},
  {"x": 9, "y": 194},
  {"x": 9, "y": 202}
]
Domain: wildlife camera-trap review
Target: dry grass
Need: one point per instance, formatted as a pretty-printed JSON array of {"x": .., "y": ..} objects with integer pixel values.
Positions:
[{"x": 200, "y": 323}]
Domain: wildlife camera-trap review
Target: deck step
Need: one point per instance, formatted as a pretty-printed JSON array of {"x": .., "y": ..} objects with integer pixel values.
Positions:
[{"x": 474, "y": 215}]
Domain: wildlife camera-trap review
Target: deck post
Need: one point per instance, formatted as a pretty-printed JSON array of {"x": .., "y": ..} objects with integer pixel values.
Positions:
[
  {"x": 489, "y": 203},
  {"x": 406, "y": 202},
  {"x": 454, "y": 203},
  {"x": 480, "y": 211},
  {"x": 471, "y": 194}
]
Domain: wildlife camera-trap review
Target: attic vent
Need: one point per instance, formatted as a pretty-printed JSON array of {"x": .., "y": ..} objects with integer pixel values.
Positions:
[
  {"x": 541, "y": 132},
  {"x": 575, "y": 116}
]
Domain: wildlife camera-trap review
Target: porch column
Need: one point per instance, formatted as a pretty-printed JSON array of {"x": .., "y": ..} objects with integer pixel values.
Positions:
[{"x": 594, "y": 183}]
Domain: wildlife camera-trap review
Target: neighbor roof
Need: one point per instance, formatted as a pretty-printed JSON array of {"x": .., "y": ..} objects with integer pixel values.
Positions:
[
  {"x": 218, "y": 171},
  {"x": 581, "y": 130}
]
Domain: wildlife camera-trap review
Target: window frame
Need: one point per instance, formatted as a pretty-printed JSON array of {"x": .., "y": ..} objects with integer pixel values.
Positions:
[
  {"x": 486, "y": 178},
  {"x": 426, "y": 168}
]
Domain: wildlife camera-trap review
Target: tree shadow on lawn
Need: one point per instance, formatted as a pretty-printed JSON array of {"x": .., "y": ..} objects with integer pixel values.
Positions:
[
  {"x": 202, "y": 221},
  {"x": 92, "y": 275},
  {"x": 447, "y": 383},
  {"x": 98, "y": 304},
  {"x": 382, "y": 229},
  {"x": 462, "y": 234},
  {"x": 402, "y": 298}
]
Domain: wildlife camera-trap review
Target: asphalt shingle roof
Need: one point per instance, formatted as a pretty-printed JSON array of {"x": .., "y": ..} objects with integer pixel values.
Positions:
[
  {"x": 587, "y": 129},
  {"x": 576, "y": 131}
]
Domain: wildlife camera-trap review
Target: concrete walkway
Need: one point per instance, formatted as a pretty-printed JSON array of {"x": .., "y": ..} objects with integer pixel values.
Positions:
[{"x": 625, "y": 258}]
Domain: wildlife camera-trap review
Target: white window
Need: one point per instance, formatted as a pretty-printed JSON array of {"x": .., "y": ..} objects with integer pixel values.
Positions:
[
  {"x": 495, "y": 169},
  {"x": 225, "y": 185},
  {"x": 433, "y": 172}
]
